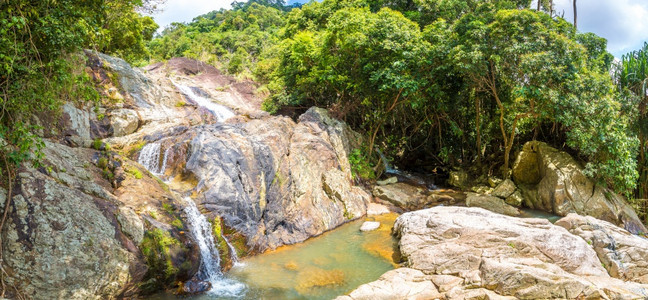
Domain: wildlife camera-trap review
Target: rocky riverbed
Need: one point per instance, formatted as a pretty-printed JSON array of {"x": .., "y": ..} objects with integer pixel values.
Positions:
[{"x": 105, "y": 214}]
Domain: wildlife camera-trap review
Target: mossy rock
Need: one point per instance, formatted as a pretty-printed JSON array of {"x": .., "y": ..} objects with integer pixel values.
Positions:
[
  {"x": 168, "y": 259},
  {"x": 526, "y": 168}
]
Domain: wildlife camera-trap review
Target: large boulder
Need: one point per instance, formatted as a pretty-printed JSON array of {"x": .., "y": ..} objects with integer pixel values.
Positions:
[
  {"x": 553, "y": 181},
  {"x": 124, "y": 121},
  {"x": 471, "y": 252},
  {"x": 399, "y": 284},
  {"x": 276, "y": 181},
  {"x": 401, "y": 195},
  {"x": 62, "y": 239},
  {"x": 623, "y": 254},
  {"x": 491, "y": 203},
  {"x": 76, "y": 123},
  {"x": 70, "y": 234}
]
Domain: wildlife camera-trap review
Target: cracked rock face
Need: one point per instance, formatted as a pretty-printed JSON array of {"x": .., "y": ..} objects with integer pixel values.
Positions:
[
  {"x": 276, "y": 181},
  {"x": 470, "y": 252}
]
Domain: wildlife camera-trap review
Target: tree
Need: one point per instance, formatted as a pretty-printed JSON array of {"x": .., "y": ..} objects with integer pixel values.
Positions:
[
  {"x": 575, "y": 15},
  {"x": 632, "y": 80},
  {"x": 534, "y": 70}
]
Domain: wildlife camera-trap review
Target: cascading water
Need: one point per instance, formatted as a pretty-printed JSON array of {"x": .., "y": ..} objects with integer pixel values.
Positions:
[
  {"x": 388, "y": 168},
  {"x": 221, "y": 112},
  {"x": 233, "y": 256},
  {"x": 200, "y": 229},
  {"x": 210, "y": 261},
  {"x": 150, "y": 157}
]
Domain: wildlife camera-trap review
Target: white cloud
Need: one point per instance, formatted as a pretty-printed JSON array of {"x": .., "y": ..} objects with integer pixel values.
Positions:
[
  {"x": 186, "y": 10},
  {"x": 624, "y": 23}
]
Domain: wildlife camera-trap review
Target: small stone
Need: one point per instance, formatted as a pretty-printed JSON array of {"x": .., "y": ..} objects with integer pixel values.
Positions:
[
  {"x": 515, "y": 199},
  {"x": 369, "y": 226},
  {"x": 194, "y": 286},
  {"x": 387, "y": 181},
  {"x": 504, "y": 189},
  {"x": 494, "y": 181},
  {"x": 374, "y": 209},
  {"x": 458, "y": 179}
]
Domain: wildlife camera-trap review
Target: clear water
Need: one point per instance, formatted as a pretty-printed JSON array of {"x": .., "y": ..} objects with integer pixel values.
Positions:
[
  {"x": 532, "y": 213},
  {"x": 324, "y": 267},
  {"x": 221, "y": 112}
]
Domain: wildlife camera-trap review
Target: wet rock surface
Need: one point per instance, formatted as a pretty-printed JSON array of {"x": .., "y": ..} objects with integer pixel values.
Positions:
[{"x": 276, "y": 181}]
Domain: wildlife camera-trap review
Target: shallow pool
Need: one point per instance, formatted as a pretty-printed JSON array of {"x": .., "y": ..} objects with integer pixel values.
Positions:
[{"x": 323, "y": 267}]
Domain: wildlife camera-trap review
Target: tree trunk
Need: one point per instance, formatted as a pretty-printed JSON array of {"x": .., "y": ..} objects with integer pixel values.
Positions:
[
  {"x": 539, "y": 4},
  {"x": 478, "y": 127},
  {"x": 575, "y": 16},
  {"x": 551, "y": 8}
]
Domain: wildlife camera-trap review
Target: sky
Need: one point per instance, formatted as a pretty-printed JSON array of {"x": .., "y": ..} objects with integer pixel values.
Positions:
[{"x": 624, "y": 23}]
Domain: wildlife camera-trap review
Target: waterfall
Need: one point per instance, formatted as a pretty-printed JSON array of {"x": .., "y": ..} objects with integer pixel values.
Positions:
[
  {"x": 150, "y": 158},
  {"x": 388, "y": 168},
  {"x": 233, "y": 255},
  {"x": 221, "y": 112},
  {"x": 210, "y": 260}
]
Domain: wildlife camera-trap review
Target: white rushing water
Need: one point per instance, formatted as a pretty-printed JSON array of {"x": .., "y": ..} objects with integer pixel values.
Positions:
[
  {"x": 233, "y": 255},
  {"x": 388, "y": 168},
  {"x": 150, "y": 158},
  {"x": 221, "y": 112},
  {"x": 210, "y": 261}
]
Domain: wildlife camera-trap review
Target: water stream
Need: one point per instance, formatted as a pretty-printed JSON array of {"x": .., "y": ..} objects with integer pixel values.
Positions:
[
  {"x": 149, "y": 157},
  {"x": 233, "y": 256},
  {"x": 209, "y": 258},
  {"x": 200, "y": 229},
  {"x": 323, "y": 267},
  {"x": 221, "y": 112}
]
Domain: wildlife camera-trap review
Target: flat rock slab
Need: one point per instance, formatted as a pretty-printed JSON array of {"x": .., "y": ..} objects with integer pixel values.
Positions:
[
  {"x": 472, "y": 253},
  {"x": 369, "y": 226},
  {"x": 491, "y": 203},
  {"x": 402, "y": 283},
  {"x": 374, "y": 209}
]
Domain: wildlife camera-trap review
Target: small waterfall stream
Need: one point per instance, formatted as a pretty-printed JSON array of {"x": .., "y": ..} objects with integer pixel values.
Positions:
[
  {"x": 388, "y": 169},
  {"x": 210, "y": 260},
  {"x": 221, "y": 112},
  {"x": 233, "y": 255},
  {"x": 150, "y": 158},
  {"x": 201, "y": 230}
]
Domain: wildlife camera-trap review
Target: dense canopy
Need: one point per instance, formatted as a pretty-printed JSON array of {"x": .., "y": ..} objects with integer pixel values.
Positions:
[{"x": 434, "y": 84}]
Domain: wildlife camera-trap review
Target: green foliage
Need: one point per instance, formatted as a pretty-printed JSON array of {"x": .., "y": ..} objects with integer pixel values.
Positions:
[
  {"x": 125, "y": 31},
  {"x": 136, "y": 173},
  {"x": 177, "y": 223},
  {"x": 235, "y": 40},
  {"x": 631, "y": 77},
  {"x": 360, "y": 165},
  {"x": 103, "y": 163},
  {"x": 39, "y": 64},
  {"x": 168, "y": 208},
  {"x": 476, "y": 79}
]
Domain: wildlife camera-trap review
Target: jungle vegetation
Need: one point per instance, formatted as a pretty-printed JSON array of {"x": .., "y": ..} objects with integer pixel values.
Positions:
[{"x": 432, "y": 83}]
